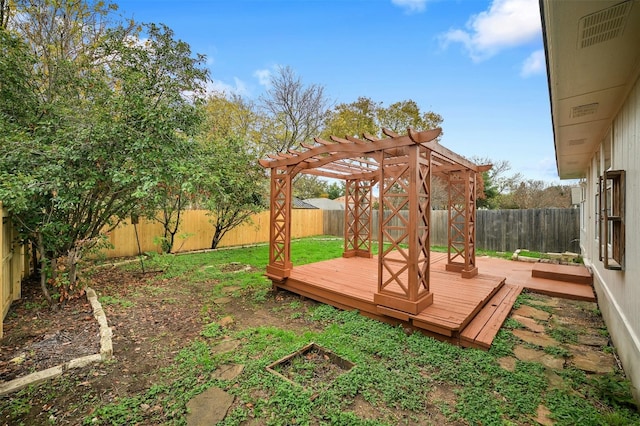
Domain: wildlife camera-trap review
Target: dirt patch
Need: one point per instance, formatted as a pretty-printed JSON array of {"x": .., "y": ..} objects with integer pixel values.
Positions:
[
  {"x": 311, "y": 367},
  {"x": 35, "y": 338}
]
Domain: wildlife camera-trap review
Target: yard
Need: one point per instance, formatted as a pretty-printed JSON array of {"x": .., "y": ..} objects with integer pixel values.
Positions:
[{"x": 189, "y": 319}]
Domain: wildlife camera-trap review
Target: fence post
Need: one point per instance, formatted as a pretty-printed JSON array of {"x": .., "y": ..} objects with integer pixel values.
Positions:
[{"x": 2, "y": 295}]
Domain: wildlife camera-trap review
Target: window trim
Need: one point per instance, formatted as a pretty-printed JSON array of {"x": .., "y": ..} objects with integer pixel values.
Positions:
[{"x": 612, "y": 230}]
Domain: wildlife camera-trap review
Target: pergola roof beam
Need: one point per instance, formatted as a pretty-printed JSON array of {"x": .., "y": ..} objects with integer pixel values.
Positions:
[{"x": 348, "y": 149}]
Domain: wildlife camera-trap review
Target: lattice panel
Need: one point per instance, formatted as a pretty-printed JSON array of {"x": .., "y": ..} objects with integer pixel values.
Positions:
[
  {"x": 462, "y": 216},
  {"x": 394, "y": 229},
  {"x": 363, "y": 241},
  {"x": 457, "y": 218},
  {"x": 279, "y": 250},
  {"x": 471, "y": 217},
  {"x": 405, "y": 228},
  {"x": 351, "y": 225},
  {"x": 423, "y": 223},
  {"x": 358, "y": 216}
]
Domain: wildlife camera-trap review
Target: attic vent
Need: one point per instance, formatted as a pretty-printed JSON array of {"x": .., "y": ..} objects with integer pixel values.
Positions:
[
  {"x": 576, "y": 142},
  {"x": 604, "y": 25},
  {"x": 582, "y": 110}
]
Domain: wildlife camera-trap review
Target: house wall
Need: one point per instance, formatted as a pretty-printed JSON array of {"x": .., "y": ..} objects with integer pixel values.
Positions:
[{"x": 618, "y": 292}]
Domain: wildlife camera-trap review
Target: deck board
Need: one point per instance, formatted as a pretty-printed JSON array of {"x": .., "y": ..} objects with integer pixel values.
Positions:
[{"x": 485, "y": 325}]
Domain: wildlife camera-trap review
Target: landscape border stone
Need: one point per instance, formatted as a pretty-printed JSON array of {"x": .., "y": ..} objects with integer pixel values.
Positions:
[{"x": 106, "y": 352}]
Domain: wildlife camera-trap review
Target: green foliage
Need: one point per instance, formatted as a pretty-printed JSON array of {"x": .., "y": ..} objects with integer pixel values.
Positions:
[
  {"x": 231, "y": 186},
  {"x": 557, "y": 351},
  {"x": 563, "y": 334},
  {"x": 112, "y": 300},
  {"x": 212, "y": 331},
  {"x": 335, "y": 190},
  {"x": 613, "y": 389},
  {"x": 366, "y": 116},
  {"x": 105, "y": 119}
]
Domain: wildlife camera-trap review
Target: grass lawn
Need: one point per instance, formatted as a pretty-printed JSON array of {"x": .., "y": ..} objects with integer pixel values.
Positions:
[{"x": 398, "y": 377}]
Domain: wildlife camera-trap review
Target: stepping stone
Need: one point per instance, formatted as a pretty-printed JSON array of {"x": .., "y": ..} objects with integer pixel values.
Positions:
[
  {"x": 538, "y": 339},
  {"x": 531, "y": 324},
  {"x": 595, "y": 340},
  {"x": 591, "y": 361},
  {"x": 225, "y": 346},
  {"x": 222, "y": 300},
  {"x": 230, "y": 289},
  {"x": 554, "y": 380},
  {"x": 532, "y": 355},
  {"x": 530, "y": 312},
  {"x": 208, "y": 408},
  {"x": 508, "y": 363},
  {"x": 227, "y": 371},
  {"x": 226, "y": 321},
  {"x": 543, "y": 416}
]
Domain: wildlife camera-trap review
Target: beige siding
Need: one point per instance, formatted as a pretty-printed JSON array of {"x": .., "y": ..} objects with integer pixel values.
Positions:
[
  {"x": 619, "y": 291},
  {"x": 196, "y": 232}
]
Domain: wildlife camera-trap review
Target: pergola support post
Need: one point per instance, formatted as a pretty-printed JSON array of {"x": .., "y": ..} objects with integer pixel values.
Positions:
[
  {"x": 279, "y": 267},
  {"x": 461, "y": 253},
  {"x": 357, "y": 227},
  {"x": 403, "y": 272}
]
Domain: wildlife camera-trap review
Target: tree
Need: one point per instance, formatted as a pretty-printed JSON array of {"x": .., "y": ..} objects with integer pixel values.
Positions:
[
  {"x": 233, "y": 184},
  {"x": 294, "y": 112},
  {"x": 231, "y": 116},
  {"x": 174, "y": 193},
  {"x": 536, "y": 194},
  {"x": 309, "y": 186},
  {"x": 353, "y": 119},
  {"x": 335, "y": 190},
  {"x": 111, "y": 111},
  {"x": 5, "y": 9},
  {"x": 18, "y": 104},
  {"x": 399, "y": 116},
  {"x": 367, "y": 116},
  {"x": 495, "y": 183}
]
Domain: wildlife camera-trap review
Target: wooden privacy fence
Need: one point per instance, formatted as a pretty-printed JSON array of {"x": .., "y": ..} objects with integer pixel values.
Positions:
[
  {"x": 543, "y": 230},
  {"x": 196, "y": 232},
  {"x": 13, "y": 264}
]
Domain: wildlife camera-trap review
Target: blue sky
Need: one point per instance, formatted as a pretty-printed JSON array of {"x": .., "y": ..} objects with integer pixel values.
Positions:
[{"x": 478, "y": 63}]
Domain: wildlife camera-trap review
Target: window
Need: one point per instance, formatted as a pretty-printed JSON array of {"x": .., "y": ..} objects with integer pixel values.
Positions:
[{"x": 611, "y": 197}]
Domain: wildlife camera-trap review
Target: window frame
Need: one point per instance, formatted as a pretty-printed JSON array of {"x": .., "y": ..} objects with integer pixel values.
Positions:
[{"x": 611, "y": 188}]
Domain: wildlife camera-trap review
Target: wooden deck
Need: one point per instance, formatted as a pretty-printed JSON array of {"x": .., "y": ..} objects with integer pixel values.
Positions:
[
  {"x": 467, "y": 312},
  {"x": 566, "y": 281},
  {"x": 350, "y": 283}
]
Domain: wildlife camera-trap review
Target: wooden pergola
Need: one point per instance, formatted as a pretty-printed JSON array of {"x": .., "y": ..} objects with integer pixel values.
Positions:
[{"x": 402, "y": 166}]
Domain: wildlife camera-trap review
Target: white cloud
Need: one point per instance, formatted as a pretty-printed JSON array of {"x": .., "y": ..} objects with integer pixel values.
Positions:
[
  {"x": 238, "y": 87},
  {"x": 264, "y": 77},
  {"x": 411, "y": 6},
  {"x": 534, "y": 64},
  {"x": 507, "y": 23}
]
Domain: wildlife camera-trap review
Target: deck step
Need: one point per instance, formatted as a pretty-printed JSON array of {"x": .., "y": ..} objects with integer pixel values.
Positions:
[
  {"x": 566, "y": 273},
  {"x": 481, "y": 331}
]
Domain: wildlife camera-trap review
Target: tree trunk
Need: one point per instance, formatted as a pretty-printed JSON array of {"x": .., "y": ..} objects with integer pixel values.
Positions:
[{"x": 43, "y": 270}]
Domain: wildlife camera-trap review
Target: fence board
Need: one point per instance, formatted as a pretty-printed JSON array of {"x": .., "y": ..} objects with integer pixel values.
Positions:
[
  {"x": 196, "y": 232},
  {"x": 543, "y": 230},
  {"x": 11, "y": 266}
]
